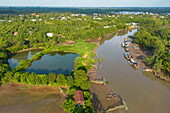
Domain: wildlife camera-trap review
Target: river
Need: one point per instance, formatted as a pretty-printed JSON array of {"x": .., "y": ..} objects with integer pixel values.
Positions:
[{"x": 142, "y": 92}]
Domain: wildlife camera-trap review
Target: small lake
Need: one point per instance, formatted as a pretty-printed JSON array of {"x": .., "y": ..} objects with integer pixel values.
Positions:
[{"x": 54, "y": 62}]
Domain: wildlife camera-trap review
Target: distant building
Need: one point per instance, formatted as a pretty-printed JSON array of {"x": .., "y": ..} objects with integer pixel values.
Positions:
[
  {"x": 33, "y": 20},
  {"x": 37, "y": 15},
  {"x": 49, "y": 34},
  {"x": 83, "y": 15},
  {"x": 106, "y": 26},
  {"x": 33, "y": 14},
  {"x": 96, "y": 14},
  {"x": 15, "y": 33},
  {"x": 75, "y": 14},
  {"x": 79, "y": 98}
]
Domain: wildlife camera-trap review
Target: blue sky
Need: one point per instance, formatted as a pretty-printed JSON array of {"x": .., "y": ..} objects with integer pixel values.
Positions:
[{"x": 87, "y": 3}]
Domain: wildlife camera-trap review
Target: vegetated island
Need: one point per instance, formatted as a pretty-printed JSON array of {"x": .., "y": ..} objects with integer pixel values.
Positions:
[{"x": 67, "y": 33}]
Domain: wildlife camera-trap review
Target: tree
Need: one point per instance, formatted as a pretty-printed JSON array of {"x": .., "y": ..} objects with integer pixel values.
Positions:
[
  {"x": 7, "y": 76},
  {"x": 79, "y": 76},
  {"x": 69, "y": 105},
  {"x": 85, "y": 85},
  {"x": 70, "y": 81},
  {"x": 17, "y": 76},
  {"x": 51, "y": 78},
  {"x": 61, "y": 80},
  {"x": 44, "y": 79}
]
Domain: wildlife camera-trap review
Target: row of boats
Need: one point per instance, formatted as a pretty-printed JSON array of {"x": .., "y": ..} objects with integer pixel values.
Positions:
[{"x": 127, "y": 55}]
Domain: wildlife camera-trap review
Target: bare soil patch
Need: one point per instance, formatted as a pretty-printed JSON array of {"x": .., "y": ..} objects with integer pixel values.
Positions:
[{"x": 23, "y": 98}]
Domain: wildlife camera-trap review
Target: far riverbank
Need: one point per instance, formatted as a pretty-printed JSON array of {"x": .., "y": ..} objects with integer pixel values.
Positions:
[{"x": 139, "y": 55}]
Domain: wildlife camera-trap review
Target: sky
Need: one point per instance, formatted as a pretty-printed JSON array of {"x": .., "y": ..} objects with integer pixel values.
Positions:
[{"x": 87, "y": 3}]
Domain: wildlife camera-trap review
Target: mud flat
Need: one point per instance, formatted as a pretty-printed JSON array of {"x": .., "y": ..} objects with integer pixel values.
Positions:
[
  {"x": 23, "y": 98},
  {"x": 104, "y": 99}
]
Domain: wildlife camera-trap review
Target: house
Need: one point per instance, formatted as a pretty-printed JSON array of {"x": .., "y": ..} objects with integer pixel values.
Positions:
[
  {"x": 106, "y": 26},
  {"x": 37, "y": 15},
  {"x": 33, "y": 20},
  {"x": 33, "y": 14},
  {"x": 79, "y": 98},
  {"x": 15, "y": 33},
  {"x": 75, "y": 14},
  {"x": 49, "y": 34},
  {"x": 96, "y": 14}
]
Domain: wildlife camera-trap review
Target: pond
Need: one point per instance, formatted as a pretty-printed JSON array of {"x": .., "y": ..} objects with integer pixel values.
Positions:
[{"x": 54, "y": 62}]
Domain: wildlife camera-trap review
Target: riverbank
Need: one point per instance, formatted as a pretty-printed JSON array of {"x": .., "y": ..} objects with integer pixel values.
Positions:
[
  {"x": 104, "y": 99},
  {"x": 24, "y": 98},
  {"x": 139, "y": 55}
]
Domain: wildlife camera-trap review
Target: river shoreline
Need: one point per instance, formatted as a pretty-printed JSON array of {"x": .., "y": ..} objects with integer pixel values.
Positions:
[
  {"x": 100, "y": 91},
  {"x": 100, "y": 94},
  {"x": 139, "y": 54}
]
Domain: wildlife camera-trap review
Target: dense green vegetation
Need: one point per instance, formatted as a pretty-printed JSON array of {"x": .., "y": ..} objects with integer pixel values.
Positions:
[
  {"x": 72, "y": 33},
  {"x": 102, "y": 10},
  {"x": 155, "y": 36}
]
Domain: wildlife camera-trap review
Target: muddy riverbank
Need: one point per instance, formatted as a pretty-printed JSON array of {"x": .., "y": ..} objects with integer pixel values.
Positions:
[
  {"x": 101, "y": 92},
  {"x": 139, "y": 55}
]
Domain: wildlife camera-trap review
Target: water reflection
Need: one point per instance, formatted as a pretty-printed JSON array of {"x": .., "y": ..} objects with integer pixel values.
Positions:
[
  {"x": 59, "y": 63},
  {"x": 14, "y": 60}
]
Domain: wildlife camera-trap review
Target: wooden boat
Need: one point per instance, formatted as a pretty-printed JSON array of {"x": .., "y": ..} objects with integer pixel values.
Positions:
[
  {"x": 126, "y": 43},
  {"x": 127, "y": 39},
  {"x": 133, "y": 63},
  {"x": 122, "y": 44},
  {"x": 127, "y": 56},
  {"x": 126, "y": 48}
]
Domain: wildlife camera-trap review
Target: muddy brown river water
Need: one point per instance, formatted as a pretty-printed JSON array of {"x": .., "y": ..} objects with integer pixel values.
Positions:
[{"x": 142, "y": 92}]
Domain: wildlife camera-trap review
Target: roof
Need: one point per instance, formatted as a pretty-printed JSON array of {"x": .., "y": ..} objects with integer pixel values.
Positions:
[
  {"x": 49, "y": 34},
  {"x": 79, "y": 98},
  {"x": 15, "y": 33}
]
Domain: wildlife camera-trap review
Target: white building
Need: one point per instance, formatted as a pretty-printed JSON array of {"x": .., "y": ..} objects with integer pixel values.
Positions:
[
  {"x": 33, "y": 20},
  {"x": 49, "y": 34}
]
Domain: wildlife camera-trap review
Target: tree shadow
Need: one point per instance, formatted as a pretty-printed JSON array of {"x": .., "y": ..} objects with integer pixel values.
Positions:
[{"x": 97, "y": 104}]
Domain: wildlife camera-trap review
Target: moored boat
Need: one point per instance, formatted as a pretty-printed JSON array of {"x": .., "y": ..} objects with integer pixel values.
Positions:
[
  {"x": 127, "y": 39},
  {"x": 127, "y": 56},
  {"x": 126, "y": 48},
  {"x": 133, "y": 63},
  {"x": 122, "y": 44}
]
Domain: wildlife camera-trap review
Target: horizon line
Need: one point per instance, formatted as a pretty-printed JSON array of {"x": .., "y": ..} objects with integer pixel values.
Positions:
[{"x": 94, "y": 6}]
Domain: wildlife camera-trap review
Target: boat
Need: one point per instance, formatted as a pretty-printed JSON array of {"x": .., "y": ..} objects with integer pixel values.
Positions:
[
  {"x": 127, "y": 56},
  {"x": 122, "y": 44},
  {"x": 133, "y": 63},
  {"x": 126, "y": 43},
  {"x": 127, "y": 39},
  {"x": 126, "y": 48}
]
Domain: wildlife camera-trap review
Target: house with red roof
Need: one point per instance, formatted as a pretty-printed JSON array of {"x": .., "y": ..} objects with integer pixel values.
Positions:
[{"x": 79, "y": 97}]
